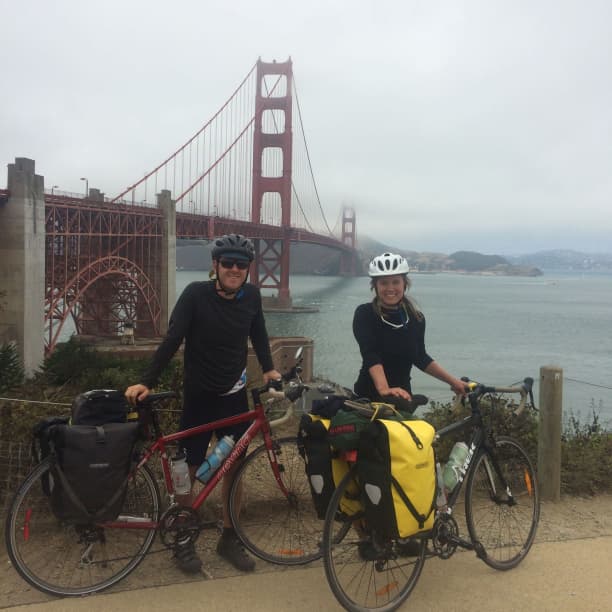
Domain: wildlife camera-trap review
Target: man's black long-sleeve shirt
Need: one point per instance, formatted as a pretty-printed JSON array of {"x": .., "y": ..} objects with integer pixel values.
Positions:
[{"x": 216, "y": 331}]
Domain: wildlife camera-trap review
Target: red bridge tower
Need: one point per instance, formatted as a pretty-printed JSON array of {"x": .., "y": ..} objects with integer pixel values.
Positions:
[{"x": 271, "y": 266}]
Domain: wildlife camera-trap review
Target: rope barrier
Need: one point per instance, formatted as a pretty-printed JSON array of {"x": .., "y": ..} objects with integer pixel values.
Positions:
[
  {"x": 25, "y": 401},
  {"x": 590, "y": 384}
]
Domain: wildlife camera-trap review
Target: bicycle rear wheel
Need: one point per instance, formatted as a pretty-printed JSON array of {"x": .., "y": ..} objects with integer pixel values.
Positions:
[
  {"x": 504, "y": 520},
  {"x": 364, "y": 572},
  {"x": 277, "y": 527},
  {"x": 65, "y": 559}
]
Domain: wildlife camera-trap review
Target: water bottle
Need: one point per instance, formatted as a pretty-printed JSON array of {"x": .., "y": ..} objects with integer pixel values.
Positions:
[
  {"x": 454, "y": 464},
  {"x": 441, "y": 500},
  {"x": 215, "y": 459},
  {"x": 180, "y": 474}
]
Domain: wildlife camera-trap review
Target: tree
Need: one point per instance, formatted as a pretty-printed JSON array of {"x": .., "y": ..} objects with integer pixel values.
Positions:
[{"x": 11, "y": 370}]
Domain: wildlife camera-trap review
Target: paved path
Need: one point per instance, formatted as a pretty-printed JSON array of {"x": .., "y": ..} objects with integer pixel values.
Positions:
[{"x": 558, "y": 576}]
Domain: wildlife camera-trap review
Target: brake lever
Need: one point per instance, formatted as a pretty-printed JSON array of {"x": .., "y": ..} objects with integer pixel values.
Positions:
[{"x": 528, "y": 384}]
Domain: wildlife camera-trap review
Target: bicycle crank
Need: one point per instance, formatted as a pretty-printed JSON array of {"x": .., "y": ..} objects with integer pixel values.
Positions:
[
  {"x": 445, "y": 536},
  {"x": 179, "y": 525}
]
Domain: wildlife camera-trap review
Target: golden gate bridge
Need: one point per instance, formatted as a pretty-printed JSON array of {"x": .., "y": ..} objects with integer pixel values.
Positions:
[{"x": 104, "y": 260}]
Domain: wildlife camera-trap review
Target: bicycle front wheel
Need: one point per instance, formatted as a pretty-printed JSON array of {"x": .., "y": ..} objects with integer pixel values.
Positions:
[
  {"x": 502, "y": 509},
  {"x": 364, "y": 571},
  {"x": 279, "y": 526},
  {"x": 60, "y": 558}
]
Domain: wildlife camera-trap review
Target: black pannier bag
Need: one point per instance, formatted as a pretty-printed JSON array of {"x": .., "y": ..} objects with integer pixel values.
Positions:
[
  {"x": 315, "y": 449},
  {"x": 42, "y": 436},
  {"x": 91, "y": 471},
  {"x": 98, "y": 407}
]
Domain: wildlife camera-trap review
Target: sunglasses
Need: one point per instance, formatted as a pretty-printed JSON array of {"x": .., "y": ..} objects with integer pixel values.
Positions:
[{"x": 228, "y": 264}]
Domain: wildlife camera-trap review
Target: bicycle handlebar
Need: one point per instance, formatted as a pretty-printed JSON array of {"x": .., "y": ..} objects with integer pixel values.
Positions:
[
  {"x": 292, "y": 394},
  {"x": 477, "y": 390},
  {"x": 156, "y": 397}
]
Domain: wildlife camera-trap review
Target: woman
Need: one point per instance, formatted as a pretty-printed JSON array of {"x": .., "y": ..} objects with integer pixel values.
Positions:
[{"x": 390, "y": 332}]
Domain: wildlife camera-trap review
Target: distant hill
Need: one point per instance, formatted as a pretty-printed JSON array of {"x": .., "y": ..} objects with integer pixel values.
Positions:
[
  {"x": 565, "y": 259},
  {"x": 461, "y": 261}
]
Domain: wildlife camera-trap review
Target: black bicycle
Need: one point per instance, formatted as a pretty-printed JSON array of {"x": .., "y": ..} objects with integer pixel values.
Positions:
[{"x": 502, "y": 509}]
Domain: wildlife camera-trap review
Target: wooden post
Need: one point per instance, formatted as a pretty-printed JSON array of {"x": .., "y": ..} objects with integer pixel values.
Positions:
[{"x": 549, "y": 433}]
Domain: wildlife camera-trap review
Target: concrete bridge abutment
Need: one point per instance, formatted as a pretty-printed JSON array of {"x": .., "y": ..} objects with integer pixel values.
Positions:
[
  {"x": 22, "y": 263},
  {"x": 168, "y": 258}
]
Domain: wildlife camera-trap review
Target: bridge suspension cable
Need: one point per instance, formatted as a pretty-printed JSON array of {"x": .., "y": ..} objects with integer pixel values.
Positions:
[
  {"x": 211, "y": 174},
  {"x": 314, "y": 183}
]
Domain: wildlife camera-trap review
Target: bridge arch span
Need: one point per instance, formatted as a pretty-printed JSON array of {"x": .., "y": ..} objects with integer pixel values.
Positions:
[{"x": 100, "y": 297}]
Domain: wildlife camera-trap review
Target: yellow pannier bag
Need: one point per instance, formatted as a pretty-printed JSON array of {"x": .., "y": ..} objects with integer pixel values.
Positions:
[{"x": 396, "y": 468}]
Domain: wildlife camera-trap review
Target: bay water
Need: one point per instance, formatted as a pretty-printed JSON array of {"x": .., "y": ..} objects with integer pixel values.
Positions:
[{"x": 494, "y": 329}]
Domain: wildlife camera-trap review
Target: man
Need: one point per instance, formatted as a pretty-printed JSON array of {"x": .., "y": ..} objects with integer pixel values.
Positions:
[{"x": 215, "y": 318}]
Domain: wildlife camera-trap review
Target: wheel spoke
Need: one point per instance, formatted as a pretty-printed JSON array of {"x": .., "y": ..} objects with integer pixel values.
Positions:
[
  {"x": 364, "y": 574},
  {"x": 64, "y": 559},
  {"x": 277, "y": 528},
  {"x": 504, "y": 523}
]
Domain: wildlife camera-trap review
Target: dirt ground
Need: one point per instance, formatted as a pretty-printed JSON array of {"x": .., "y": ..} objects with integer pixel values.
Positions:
[{"x": 571, "y": 519}]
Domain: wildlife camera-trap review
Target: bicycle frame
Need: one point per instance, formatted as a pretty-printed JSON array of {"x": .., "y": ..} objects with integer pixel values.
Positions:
[
  {"x": 478, "y": 440},
  {"x": 474, "y": 445},
  {"x": 260, "y": 424}
]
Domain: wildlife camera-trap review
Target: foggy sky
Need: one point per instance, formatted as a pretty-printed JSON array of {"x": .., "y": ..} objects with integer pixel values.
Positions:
[{"x": 483, "y": 125}]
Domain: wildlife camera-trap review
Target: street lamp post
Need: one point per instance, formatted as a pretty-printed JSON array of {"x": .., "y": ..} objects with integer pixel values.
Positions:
[
  {"x": 83, "y": 178},
  {"x": 53, "y": 188}
]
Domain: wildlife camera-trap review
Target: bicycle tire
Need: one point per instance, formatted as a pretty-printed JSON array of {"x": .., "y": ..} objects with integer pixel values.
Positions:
[
  {"x": 504, "y": 525},
  {"x": 277, "y": 528},
  {"x": 361, "y": 583},
  {"x": 50, "y": 554}
]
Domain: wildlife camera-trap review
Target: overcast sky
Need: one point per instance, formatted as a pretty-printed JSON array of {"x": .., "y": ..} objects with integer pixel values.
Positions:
[{"x": 483, "y": 125}]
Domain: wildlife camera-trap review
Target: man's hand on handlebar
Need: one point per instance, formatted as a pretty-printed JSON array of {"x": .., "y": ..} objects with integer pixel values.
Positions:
[
  {"x": 136, "y": 393},
  {"x": 271, "y": 375}
]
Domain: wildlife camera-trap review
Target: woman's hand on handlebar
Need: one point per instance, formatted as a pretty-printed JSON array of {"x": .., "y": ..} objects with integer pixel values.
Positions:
[
  {"x": 136, "y": 393},
  {"x": 458, "y": 386},
  {"x": 395, "y": 392}
]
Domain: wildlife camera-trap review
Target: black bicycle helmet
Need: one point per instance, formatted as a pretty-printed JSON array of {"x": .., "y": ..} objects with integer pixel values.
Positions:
[{"x": 233, "y": 243}]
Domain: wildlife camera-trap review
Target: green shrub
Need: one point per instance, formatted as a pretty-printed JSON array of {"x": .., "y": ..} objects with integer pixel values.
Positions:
[
  {"x": 68, "y": 362},
  {"x": 586, "y": 456},
  {"x": 497, "y": 412},
  {"x": 11, "y": 370},
  {"x": 586, "y": 448}
]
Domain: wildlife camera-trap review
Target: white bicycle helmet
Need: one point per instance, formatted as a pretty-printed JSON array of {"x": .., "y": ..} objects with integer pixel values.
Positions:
[{"x": 388, "y": 264}]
